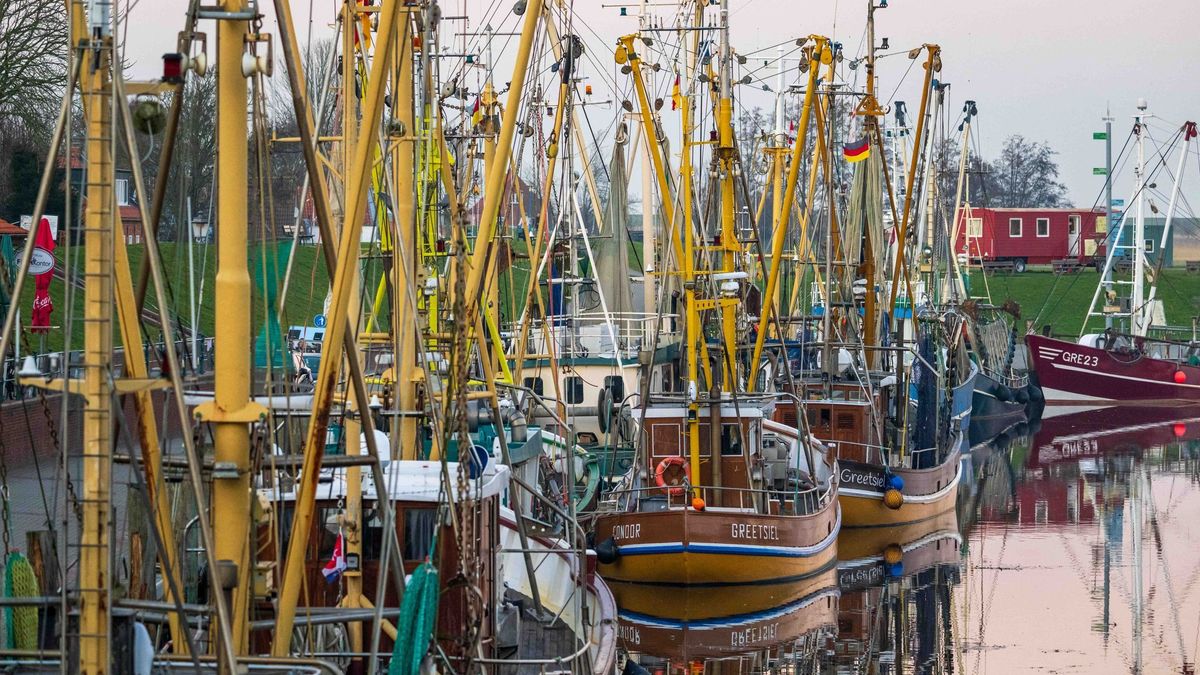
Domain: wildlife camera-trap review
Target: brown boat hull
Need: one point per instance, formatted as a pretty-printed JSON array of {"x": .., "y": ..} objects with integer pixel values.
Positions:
[{"x": 683, "y": 546}]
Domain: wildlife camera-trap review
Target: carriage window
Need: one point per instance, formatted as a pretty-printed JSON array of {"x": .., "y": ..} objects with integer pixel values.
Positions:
[
  {"x": 975, "y": 227},
  {"x": 418, "y": 533},
  {"x": 573, "y": 384}
]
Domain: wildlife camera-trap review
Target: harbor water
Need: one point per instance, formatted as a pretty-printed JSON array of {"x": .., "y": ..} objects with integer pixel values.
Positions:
[{"x": 1072, "y": 551}]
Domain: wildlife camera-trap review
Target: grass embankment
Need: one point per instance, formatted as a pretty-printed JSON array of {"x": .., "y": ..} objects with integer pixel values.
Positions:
[
  {"x": 1044, "y": 297},
  {"x": 1063, "y": 300},
  {"x": 305, "y": 297}
]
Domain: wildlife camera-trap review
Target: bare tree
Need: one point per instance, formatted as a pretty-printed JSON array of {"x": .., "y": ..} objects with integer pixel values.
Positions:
[
  {"x": 33, "y": 44},
  {"x": 33, "y": 41},
  {"x": 1025, "y": 175}
]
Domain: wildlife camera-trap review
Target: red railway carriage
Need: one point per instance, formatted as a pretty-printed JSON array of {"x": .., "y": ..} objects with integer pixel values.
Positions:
[{"x": 1030, "y": 236}]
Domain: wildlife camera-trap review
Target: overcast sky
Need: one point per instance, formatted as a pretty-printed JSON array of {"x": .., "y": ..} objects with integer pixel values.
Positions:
[{"x": 1043, "y": 69}]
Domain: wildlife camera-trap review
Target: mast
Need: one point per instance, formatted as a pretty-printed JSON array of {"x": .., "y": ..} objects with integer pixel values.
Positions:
[
  {"x": 231, "y": 411},
  {"x": 726, "y": 160},
  {"x": 95, "y": 579},
  {"x": 869, "y": 108},
  {"x": 778, "y": 236},
  {"x": 693, "y": 332},
  {"x": 1108, "y": 199},
  {"x": 1137, "y": 296}
]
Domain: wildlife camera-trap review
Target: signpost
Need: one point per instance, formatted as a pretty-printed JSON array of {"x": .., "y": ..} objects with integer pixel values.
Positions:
[
  {"x": 27, "y": 221},
  {"x": 319, "y": 321}
]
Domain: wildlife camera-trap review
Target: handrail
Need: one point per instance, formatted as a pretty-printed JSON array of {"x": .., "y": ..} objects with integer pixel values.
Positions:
[{"x": 814, "y": 498}]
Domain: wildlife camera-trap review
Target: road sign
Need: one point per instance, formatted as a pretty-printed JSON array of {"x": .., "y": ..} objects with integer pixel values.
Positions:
[
  {"x": 41, "y": 261},
  {"x": 319, "y": 321},
  {"x": 1117, "y": 203},
  {"x": 1099, "y": 135},
  {"x": 1099, "y": 171}
]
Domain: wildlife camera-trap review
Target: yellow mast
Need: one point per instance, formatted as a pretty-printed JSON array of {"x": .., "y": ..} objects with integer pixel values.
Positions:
[
  {"x": 815, "y": 54},
  {"x": 932, "y": 64},
  {"x": 404, "y": 270},
  {"x": 136, "y": 368},
  {"x": 94, "y": 570},
  {"x": 726, "y": 153},
  {"x": 343, "y": 281},
  {"x": 231, "y": 410},
  {"x": 693, "y": 330},
  {"x": 493, "y": 192}
]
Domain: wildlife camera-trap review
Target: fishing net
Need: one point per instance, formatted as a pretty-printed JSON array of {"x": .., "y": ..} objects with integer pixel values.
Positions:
[
  {"x": 21, "y": 623},
  {"x": 415, "y": 625}
]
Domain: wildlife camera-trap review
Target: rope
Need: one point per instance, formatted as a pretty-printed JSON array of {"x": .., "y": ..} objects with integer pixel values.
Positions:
[{"x": 415, "y": 625}]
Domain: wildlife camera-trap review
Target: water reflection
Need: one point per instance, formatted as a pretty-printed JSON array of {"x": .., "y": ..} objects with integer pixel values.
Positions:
[
  {"x": 1073, "y": 549},
  {"x": 728, "y": 629},
  {"x": 1083, "y": 556}
]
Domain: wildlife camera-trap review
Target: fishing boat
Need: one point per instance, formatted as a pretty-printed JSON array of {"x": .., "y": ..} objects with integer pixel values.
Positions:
[
  {"x": 1134, "y": 359},
  {"x": 877, "y": 363},
  {"x": 511, "y": 603},
  {"x": 312, "y": 561},
  {"x": 720, "y": 492}
]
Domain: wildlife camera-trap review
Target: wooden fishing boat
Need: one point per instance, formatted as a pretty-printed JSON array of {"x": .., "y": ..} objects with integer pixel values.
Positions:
[
  {"x": 757, "y": 511},
  {"x": 496, "y": 584}
]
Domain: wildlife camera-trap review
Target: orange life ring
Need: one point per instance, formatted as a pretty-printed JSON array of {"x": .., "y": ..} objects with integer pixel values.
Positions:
[{"x": 661, "y": 481}]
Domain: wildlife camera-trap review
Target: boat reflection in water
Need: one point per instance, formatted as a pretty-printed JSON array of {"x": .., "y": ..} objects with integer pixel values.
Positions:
[
  {"x": 1083, "y": 554},
  {"x": 727, "y": 629},
  {"x": 895, "y": 611}
]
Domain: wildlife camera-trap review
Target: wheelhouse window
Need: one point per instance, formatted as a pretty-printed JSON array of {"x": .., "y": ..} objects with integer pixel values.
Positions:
[
  {"x": 615, "y": 384},
  {"x": 1014, "y": 227},
  {"x": 1149, "y": 246},
  {"x": 573, "y": 389},
  {"x": 418, "y": 533},
  {"x": 535, "y": 385},
  {"x": 1043, "y": 227}
]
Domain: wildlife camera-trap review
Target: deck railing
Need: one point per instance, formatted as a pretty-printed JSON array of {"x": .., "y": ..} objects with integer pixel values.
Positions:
[
  {"x": 802, "y": 501},
  {"x": 592, "y": 334}
]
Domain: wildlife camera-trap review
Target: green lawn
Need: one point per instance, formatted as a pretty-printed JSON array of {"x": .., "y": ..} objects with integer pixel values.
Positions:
[
  {"x": 1062, "y": 301},
  {"x": 306, "y": 293}
]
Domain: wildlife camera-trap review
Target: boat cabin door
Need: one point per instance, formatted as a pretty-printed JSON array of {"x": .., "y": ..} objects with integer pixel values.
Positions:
[{"x": 1073, "y": 236}]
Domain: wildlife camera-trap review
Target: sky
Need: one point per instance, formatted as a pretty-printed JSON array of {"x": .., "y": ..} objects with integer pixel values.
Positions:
[{"x": 1045, "y": 70}]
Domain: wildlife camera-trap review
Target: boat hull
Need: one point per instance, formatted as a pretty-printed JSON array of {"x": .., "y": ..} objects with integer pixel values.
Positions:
[
  {"x": 1071, "y": 373},
  {"x": 682, "y": 546},
  {"x": 927, "y": 493}
]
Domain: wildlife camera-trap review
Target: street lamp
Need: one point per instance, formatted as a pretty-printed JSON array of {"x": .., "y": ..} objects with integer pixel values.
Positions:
[{"x": 200, "y": 230}]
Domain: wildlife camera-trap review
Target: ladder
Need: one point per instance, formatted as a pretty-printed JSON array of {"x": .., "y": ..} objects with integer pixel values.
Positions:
[{"x": 94, "y": 549}]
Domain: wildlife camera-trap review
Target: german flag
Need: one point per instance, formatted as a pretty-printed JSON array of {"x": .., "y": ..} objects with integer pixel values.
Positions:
[
  {"x": 476, "y": 114},
  {"x": 857, "y": 151}
]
